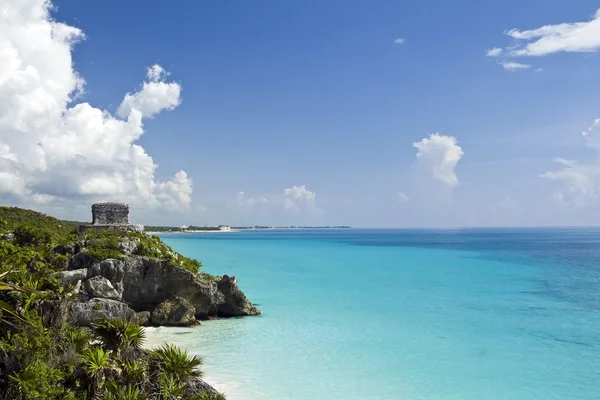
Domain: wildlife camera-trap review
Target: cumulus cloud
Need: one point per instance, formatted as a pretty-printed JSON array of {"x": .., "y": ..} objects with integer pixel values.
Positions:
[
  {"x": 438, "y": 155},
  {"x": 52, "y": 149},
  {"x": 402, "y": 196},
  {"x": 399, "y": 41},
  {"x": 495, "y": 52},
  {"x": 514, "y": 66},
  {"x": 581, "y": 37},
  {"x": 578, "y": 181},
  {"x": 154, "y": 96},
  {"x": 299, "y": 198}
]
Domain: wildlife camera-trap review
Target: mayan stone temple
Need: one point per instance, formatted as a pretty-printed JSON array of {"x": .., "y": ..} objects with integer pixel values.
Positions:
[{"x": 111, "y": 216}]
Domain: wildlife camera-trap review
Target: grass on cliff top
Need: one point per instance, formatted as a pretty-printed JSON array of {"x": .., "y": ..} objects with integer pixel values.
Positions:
[{"x": 33, "y": 255}]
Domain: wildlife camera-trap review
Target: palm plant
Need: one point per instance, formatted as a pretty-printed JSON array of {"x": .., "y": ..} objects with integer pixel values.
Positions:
[
  {"x": 114, "y": 391},
  {"x": 208, "y": 396},
  {"x": 96, "y": 364},
  {"x": 172, "y": 360},
  {"x": 133, "y": 371},
  {"x": 169, "y": 387},
  {"x": 120, "y": 336},
  {"x": 78, "y": 338}
]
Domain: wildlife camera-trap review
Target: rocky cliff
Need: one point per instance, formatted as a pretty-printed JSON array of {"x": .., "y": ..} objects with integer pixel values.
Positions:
[{"x": 128, "y": 286}]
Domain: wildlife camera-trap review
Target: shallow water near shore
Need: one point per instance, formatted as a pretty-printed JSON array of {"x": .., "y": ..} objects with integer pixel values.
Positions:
[{"x": 402, "y": 314}]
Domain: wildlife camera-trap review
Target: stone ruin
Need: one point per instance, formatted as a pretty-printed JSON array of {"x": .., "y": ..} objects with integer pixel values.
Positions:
[
  {"x": 110, "y": 213},
  {"x": 111, "y": 216}
]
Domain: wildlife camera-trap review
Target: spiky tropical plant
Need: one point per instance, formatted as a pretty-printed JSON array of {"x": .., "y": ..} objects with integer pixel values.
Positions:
[
  {"x": 208, "y": 396},
  {"x": 133, "y": 371},
  {"x": 77, "y": 338},
  {"x": 169, "y": 387},
  {"x": 114, "y": 391},
  {"x": 172, "y": 360},
  {"x": 119, "y": 336},
  {"x": 97, "y": 365}
]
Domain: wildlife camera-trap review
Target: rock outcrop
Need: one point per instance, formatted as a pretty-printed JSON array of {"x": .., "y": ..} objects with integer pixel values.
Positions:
[
  {"x": 100, "y": 287},
  {"x": 149, "y": 285},
  {"x": 175, "y": 312},
  {"x": 235, "y": 302},
  {"x": 95, "y": 310}
]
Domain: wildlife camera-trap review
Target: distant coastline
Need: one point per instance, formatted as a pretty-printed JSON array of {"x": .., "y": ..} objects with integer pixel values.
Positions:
[{"x": 212, "y": 229}]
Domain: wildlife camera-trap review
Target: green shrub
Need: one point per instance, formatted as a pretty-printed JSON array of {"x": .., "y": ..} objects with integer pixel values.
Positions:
[{"x": 30, "y": 236}]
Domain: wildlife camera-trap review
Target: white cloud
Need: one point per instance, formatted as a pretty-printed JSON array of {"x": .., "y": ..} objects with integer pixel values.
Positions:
[
  {"x": 53, "y": 150},
  {"x": 495, "y": 52},
  {"x": 579, "y": 182},
  {"x": 438, "y": 155},
  {"x": 299, "y": 198},
  {"x": 581, "y": 37},
  {"x": 157, "y": 73},
  {"x": 399, "y": 41},
  {"x": 402, "y": 196},
  {"x": 514, "y": 66},
  {"x": 154, "y": 96},
  {"x": 250, "y": 202}
]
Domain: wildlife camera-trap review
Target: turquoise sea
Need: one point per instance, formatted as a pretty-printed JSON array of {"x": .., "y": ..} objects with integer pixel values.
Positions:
[{"x": 467, "y": 314}]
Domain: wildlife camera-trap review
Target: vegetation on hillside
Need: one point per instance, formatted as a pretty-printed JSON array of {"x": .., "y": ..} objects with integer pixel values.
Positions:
[{"x": 67, "y": 362}]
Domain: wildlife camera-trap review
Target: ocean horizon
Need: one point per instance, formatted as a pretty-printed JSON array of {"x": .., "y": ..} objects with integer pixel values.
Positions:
[{"x": 420, "y": 314}]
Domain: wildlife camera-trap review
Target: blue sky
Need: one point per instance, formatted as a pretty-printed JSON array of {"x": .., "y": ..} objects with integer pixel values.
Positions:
[{"x": 280, "y": 94}]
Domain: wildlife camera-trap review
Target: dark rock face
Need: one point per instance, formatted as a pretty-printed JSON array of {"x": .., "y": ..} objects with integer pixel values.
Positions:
[
  {"x": 235, "y": 302},
  {"x": 176, "y": 312},
  {"x": 147, "y": 282},
  {"x": 95, "y": 310},
  {"x": 144, "y": 283},
  {"x": 81, "y": 260},
  {"x": 100, "y": 287}
]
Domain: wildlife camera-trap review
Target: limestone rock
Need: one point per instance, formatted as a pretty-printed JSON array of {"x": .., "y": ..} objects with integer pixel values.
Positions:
[
  {"x": 235, "y": 303},
  {"x": 142, "y": 318},
  {"x": 71, "y": 277},
  {"x": 85, "y": 314},
  {"x": 176, "y": 311},
  {"x": 129, "y": 247},
  {"x": 100, "y": 287},
  {"x": 111, "y": 269},
  {"x": 147, "y": 282}
]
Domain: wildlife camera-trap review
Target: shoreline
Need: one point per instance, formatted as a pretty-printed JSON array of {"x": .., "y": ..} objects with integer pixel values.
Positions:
[{"x": 156, "y": 336}]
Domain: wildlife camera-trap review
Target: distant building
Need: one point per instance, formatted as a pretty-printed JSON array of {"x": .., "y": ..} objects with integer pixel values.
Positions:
[
  {"x": 224, "y": 227},
  {"x": 183, "y": 228}
]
